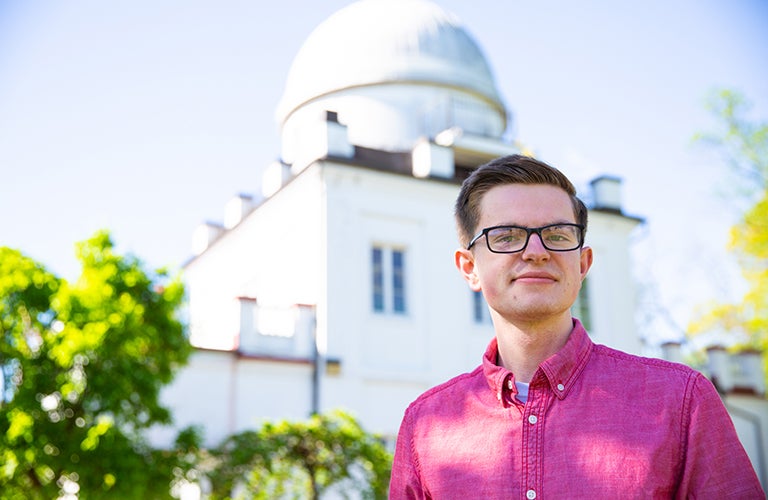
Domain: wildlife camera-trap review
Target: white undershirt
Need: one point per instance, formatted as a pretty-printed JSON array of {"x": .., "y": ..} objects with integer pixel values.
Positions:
[{"x": 522, "y": 391}]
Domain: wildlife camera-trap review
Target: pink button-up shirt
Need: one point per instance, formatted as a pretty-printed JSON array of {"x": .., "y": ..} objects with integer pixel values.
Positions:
[{"x": 599, "y": 423}]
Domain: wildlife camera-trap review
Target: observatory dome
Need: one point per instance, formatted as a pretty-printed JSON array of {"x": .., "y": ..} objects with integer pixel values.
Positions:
[{"x": 407, "y": 64}]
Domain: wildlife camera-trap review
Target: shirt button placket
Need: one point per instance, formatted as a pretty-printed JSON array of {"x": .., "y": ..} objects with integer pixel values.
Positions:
[
  {"x": 532, "y": 420},
  {"x": 532, "y": 436}
]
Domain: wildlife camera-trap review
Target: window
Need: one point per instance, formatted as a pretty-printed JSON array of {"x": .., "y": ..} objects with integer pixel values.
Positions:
[
  {"x": 581, "y": 307},
  {"x": 377, "y": 265},
  {"x": 388, "y": 280},
  {"x": 398, "y": 281},
  {"x": 480, "y": 313}
]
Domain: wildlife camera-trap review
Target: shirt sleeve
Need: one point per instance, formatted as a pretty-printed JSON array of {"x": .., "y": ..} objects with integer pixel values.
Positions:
[
  {"x": 715, "y": 463},
  {"x": 405, "y": 483}
]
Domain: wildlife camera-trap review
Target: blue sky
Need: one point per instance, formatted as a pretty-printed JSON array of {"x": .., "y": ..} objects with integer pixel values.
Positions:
[{"x": 145, "y": 117}]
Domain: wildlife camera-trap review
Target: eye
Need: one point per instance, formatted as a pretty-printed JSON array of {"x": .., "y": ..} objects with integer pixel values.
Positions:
[
  {"x": 560, "y": 234},
  {"x": 506, "y": 235},
  {"x": 557, "y": 237}
]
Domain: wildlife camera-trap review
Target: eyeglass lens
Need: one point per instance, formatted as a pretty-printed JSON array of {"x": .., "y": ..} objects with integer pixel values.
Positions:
[{"x": 514, "y": 239}]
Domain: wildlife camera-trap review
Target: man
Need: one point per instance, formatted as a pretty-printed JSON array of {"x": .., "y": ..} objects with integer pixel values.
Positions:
[{"x": 549, "y": 414}]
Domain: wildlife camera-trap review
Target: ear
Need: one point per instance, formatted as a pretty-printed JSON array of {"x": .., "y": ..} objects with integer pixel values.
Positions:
[
  {"x": 585, "y": 261},
  {"x": 465, "y": 263}
]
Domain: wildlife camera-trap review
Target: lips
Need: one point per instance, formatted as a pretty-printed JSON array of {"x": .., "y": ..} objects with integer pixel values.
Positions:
[{"x": 535, "y": 277}]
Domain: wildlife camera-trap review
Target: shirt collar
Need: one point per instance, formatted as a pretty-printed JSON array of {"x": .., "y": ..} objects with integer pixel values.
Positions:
[{"x": 561, "y": 370}]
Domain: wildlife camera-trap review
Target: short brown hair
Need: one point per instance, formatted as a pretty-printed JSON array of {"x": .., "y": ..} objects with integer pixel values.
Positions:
[{"x": 512, "y": 169}]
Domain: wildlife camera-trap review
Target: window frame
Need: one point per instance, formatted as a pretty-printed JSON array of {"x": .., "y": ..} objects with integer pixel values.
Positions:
[{"x": 389, "y": 279}]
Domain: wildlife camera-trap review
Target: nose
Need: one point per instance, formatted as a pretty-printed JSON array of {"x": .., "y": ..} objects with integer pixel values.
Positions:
[{"x": 535, "y": 249}]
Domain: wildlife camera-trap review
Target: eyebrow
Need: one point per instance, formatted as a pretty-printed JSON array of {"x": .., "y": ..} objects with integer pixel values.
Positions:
[{"x": 562, "y": 221}]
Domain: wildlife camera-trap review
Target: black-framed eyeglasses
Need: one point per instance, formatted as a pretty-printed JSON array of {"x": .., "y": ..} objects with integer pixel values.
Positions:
[{"x": 511, "y": 239}]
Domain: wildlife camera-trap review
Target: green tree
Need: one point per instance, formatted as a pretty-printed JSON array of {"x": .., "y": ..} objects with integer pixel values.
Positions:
[
  {"x": 744, "y": 146},
  {"x": 83, "y": 365},
  {"x": 301, "y": 460}
]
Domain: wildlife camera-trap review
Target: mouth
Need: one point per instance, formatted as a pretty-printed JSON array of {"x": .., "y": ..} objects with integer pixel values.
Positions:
[{"x": 534, "y": 277}]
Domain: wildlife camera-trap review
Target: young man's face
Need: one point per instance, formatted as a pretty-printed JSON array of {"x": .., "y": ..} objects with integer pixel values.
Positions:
[{"x": 533, "y": 285}]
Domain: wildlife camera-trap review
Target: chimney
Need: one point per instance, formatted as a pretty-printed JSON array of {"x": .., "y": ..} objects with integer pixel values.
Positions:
[
  {"x": 236, "y": 209},
  {"x": 430, "y": 160},
  {"x": 205, "y": 234},
  {"x": 337, "y": 142},
  {"x": 719, "y": 369},
  {"x": 671, "y": 351},
  {"x": 323, "y": 138},
  {"x": 606, "y": 193},
  {"x": 275, "y": 176},
  {"x": 750, "y": 370}
]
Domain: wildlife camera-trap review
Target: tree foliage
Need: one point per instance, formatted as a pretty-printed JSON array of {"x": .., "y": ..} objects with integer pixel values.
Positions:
[
  {"x": 83, "y": 364},
  {"x": 287, "y": 459},
  {"x": 744, "y": 145}
]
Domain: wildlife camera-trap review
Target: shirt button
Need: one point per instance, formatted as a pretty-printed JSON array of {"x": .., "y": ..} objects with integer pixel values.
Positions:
[
  {"x": 532, "y": 420},
  {"x": 560, "y": 387},
  {"x": 530, "y": 494}
]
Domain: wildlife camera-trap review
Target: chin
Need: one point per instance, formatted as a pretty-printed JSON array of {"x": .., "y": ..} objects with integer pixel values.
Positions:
[{"x": 534, "y": 312}]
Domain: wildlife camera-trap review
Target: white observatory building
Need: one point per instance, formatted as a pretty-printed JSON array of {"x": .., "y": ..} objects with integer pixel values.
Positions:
[{"x": 334, "y": 287}]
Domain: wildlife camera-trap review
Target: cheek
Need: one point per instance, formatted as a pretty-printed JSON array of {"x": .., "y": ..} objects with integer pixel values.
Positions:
[
  {"x": 489, "y": 281},
  {"x": 500, "y": 292}
]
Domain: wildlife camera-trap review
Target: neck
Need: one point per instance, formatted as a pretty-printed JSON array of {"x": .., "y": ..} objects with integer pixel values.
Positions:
[{"x": 524, "y": 346}]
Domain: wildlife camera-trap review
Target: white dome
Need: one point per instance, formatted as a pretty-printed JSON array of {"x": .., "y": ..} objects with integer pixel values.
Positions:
[{"x": 379, "y": 42}]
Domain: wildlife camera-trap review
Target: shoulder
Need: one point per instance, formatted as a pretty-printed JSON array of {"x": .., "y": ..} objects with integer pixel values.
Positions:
[
  {"x": 631, "y": 369},
  {"x": 654, "y": 385},
  {"x": 605, "y": 353}
]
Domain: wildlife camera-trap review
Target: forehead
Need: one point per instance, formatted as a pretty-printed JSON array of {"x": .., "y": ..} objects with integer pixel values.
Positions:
[{"x": 525, "y": 205}]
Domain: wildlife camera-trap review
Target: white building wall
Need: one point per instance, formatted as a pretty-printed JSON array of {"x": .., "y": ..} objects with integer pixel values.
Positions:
[
  {"x": 612, "y": 290},
  {"x": 388, "y": 359},
  {"x": 274, "y": 255},
  {"x": 224, "y": 394},
  {"x": 749, "y": 413}
]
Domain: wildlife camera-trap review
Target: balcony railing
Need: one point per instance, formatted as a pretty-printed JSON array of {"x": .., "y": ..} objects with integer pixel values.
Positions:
[{"x": 279, "y": 331}]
